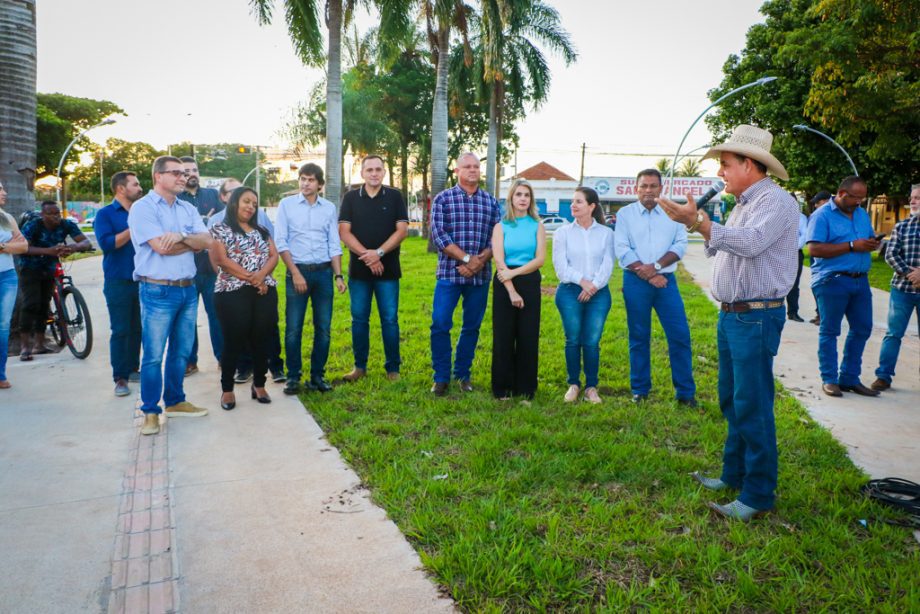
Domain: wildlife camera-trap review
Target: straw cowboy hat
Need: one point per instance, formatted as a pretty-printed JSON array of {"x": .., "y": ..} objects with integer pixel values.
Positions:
[{"x": 751, "y": 142}]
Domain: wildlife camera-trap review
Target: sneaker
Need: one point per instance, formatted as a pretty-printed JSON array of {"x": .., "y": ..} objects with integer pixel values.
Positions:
[
  {"x": 710, "y": 483},
  {"x": 121, "y": 388},
  {"x": 191, "y": 369},
  {"x": 278, "y": 376},
  {"x": 151, "y": 424},
  {"x": 134, "y": 377},
  {"x": 591, "y": 395},
  {"x": 571, "y": 394},
  {"x": 185, "y": 410},
  {"x": 292, "y": 387},
  {"x": 243, "y": 376},
  {"x": 736, "y": 510}
]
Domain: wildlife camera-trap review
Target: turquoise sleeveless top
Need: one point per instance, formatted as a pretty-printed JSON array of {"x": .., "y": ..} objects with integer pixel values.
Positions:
[{"x": 520, "y": 240}]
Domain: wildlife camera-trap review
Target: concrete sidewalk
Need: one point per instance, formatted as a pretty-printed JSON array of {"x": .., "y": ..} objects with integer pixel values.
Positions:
[
  {"x": 882, "y": 435},
  {"x": 249, "y": 510}
]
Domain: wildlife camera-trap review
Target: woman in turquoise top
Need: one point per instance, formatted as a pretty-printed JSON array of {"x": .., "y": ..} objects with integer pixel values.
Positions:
[
  {"x": 11, "y": 242},
  {"x": 519, "y": 248}
]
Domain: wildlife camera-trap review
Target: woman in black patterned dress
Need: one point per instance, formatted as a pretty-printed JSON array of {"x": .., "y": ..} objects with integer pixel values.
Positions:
[{"x": 245, "y": 296}]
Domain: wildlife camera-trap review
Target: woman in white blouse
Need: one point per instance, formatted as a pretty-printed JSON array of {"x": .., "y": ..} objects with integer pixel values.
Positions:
[{"x": 583, "y": 259}]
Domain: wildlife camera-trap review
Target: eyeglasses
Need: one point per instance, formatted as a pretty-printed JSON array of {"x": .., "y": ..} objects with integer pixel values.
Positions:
[{"x": 176, "y": 173}]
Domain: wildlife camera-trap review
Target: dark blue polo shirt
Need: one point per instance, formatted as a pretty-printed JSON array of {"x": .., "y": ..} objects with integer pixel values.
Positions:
[
  {"x": 116, "y": 263},
  {"x": 205, "y": 200}
]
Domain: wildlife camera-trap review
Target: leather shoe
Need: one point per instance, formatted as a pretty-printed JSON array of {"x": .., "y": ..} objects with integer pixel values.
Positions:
[
  {"x": 393, "y": 376},
  {"x": 710, "y": 483},
  {"x": 151, "y": 424},
  {"x": 265, "y": 400},
  {"x": 227, "y": 405},
  {"x": 638, "y": 398},
  {"x": 795, "y": 317},
  {"x": 880, "y": 385},
  {"x": 291, "y": 387},
  {"x": 691, "y": 402},
  {"x": 861, "y": 390},
  {"x": 736, "y": 510},
  {"x": 355, "y": 375},
  {"x": 816, "y": 320},
  {"x": 831, "y": 390},
  {"x": 318, "y": 383},
  {"x": 439, "y": 389},
  {"x": 466, "y": 385}
]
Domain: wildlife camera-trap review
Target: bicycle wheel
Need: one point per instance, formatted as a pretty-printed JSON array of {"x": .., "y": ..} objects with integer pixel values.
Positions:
[
  {"x": 56, "y": 324},
  {"x": 77, "y": 322}
]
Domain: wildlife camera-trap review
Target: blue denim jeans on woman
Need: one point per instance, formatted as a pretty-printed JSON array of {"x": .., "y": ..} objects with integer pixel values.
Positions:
[
  {"x": 167, "y": 315},
  {"x": 446, "y": 297},
  {"x": 386, "y": 291},
  {"x": 900, "y": 307},
  {"x": 839, "y": 296},
  {"x": 124, "y": 305},
  {"x": 9, "y": 284},
  {"x": 320, "y": 292},
  {"x": 583, "y": 324},
  {"x": 747, "y": 344},
  {"x": 640, "y": 298}
]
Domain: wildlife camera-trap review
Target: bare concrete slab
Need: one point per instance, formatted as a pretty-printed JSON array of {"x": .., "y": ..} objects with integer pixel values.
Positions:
[{"x": 882, "y": 434}]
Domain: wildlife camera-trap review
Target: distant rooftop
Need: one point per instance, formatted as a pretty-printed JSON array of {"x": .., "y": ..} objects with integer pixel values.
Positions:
[{"x": 543, "y": 172}]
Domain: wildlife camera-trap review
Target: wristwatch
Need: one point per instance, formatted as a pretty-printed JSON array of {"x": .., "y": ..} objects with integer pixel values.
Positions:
[
  {"x": 339, "y": 276},
  {"x": 380, "y": 253},
  {"x": 466, "y": 259},
  {"x": 657, "y": 266},
  {"x": 851, "y": 246},
  {"x": 184, "y": 235},
  {"x": 699, "y": 221}
]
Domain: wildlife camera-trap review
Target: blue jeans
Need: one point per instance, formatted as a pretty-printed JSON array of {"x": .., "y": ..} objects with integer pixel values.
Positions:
[
  {"x": 320, "y": 292},
  {"x": 446, "y": 297},
  {"x": 9, "y": 284},
  {"x": 583, "y": 324},
  {"x": 123, "y": 302},
  {"x": 840, "y": 296},
  {"x": 747, "y": 344},
  {"x": 204, "y": 284},
  {"x": 387, "y": 293},
  {"x": 167, "y": 314},
  {"x": 640, "y": 298},
  {"x": 900, "y": 307}
]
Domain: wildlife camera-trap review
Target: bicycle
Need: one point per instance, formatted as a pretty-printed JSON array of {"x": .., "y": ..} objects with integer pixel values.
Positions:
[{"x": 69, "y": 317}]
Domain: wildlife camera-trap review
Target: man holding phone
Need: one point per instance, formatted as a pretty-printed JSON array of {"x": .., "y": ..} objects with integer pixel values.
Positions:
[{"x": 841, "y": 240}]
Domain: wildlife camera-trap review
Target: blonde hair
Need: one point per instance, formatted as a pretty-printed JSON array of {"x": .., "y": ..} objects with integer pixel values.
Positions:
[{"x": 509, "y": 205}]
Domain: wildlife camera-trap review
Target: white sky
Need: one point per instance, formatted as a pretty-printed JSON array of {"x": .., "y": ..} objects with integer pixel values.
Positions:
[{"x": 641, "y": 78}]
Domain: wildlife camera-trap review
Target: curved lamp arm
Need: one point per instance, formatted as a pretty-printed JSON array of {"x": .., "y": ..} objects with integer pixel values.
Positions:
[
  {"x": 104, "y": 122},
  {"x": 819, "y": 133}
]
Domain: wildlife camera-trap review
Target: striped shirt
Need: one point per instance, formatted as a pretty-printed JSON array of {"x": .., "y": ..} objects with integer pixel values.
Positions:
[
  {"x": 903, "y": 252},
  {"x": 467, "y": 221},
  {"x": 755, "y": 252}
]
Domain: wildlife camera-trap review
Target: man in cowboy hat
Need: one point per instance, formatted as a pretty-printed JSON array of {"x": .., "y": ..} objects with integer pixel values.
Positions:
[{"x": 754, "y": 266}]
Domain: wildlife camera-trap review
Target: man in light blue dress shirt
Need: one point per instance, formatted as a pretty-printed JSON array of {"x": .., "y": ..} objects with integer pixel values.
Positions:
[
  {"x": 648, "y": 246},
  {"x": 307, "y": 237},
  {"x": 166, "y": 232}
]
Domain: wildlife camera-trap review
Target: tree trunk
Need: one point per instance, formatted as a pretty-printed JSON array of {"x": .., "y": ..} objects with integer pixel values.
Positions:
[
  {"x": 404, "y": 170},
  {"x": 17, "y": 103},
  {"x": 439, "y": 114},
  {"x": 492, "y": 151},
  {"x": 334, "y": 103},
  {"x": 500, "y": 135}
]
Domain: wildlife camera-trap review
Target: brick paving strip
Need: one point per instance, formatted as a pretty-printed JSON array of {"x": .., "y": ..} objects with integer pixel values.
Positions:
[{"x": 145, "y": 570}]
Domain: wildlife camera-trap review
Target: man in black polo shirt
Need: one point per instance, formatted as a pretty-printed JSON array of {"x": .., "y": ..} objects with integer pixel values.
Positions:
[{"x": 373, "y": 221}]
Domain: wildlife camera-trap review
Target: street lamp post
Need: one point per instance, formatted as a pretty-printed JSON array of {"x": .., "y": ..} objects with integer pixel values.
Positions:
[
  {"x": 761, "y": 81},
  {"x": 104, "y": 122},
  {"x": 836, "y": 144}
]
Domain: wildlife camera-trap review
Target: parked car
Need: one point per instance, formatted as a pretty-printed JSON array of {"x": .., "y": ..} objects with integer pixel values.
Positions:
[
  {"x": 611, "y": 220},
  {"x": 554, "y": 222}
]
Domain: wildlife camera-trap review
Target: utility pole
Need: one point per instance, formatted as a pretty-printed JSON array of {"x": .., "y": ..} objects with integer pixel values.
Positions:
[
  {"x": 101, "y": 177},
  {"x": 255, "y": 150},
  {"x": 581, "y": 174}
]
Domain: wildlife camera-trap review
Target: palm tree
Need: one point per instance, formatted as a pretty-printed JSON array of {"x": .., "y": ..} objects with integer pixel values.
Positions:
[
  {"x": 664, "y": 166},
  {"x": 302, "y": 18},
  {"x": 17, "y": 103},
  {"x": 690, "y": 168},
  {"x": 513, "y": 66}
]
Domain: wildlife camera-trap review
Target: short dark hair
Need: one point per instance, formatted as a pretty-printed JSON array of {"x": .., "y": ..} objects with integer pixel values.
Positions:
[
  {"x": 189, "y": 159},
  {"x": 648, "y": 173},
  {"x": 224, "y": 183},
  {"x": 120, "y": 179},
  {"x": 312, "y": 170},
  {"x": 370, "y": 157},
  {"x": 159, "y": 165},
  {"x": 757, "y": 163},
  {"x": 849, "y": 182},
  {"x": 50, "y": 203}
]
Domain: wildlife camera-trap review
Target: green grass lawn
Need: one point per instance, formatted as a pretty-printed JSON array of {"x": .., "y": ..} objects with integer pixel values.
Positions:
[
  {"x": 548, "y": 506},
  {"x": 879, "y": 275}
]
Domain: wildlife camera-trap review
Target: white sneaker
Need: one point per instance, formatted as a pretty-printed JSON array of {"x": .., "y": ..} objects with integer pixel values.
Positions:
[
  {"x": 571, "y": 395},
  {"x": 591, "y": 395}
]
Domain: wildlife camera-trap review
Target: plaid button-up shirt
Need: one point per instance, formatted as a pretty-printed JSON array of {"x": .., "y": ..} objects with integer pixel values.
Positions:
[
  {"x": 467, "y": 221},
  {"x": 903, "y": 252},
  {"x": 755, "y": 252}
]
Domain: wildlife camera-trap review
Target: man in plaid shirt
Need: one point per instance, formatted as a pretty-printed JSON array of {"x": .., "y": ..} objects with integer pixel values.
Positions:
[
  {"x": 903, "y": 254},
  {"x": 462, "y": 219}
]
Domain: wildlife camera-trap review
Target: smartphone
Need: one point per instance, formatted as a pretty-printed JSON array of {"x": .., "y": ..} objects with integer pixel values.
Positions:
[{"x": 879, "y": 237}]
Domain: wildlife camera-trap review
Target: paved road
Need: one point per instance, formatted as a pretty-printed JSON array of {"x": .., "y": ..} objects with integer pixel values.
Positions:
[
  {"x": 882, "y": 435},
  {"x": 243, "y": 511}
]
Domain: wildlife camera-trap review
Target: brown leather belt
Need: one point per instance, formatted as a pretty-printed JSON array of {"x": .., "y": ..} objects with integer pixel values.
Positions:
[
  {"x": 750, "y": 306},
  {"x": 179, "y": 283}
]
